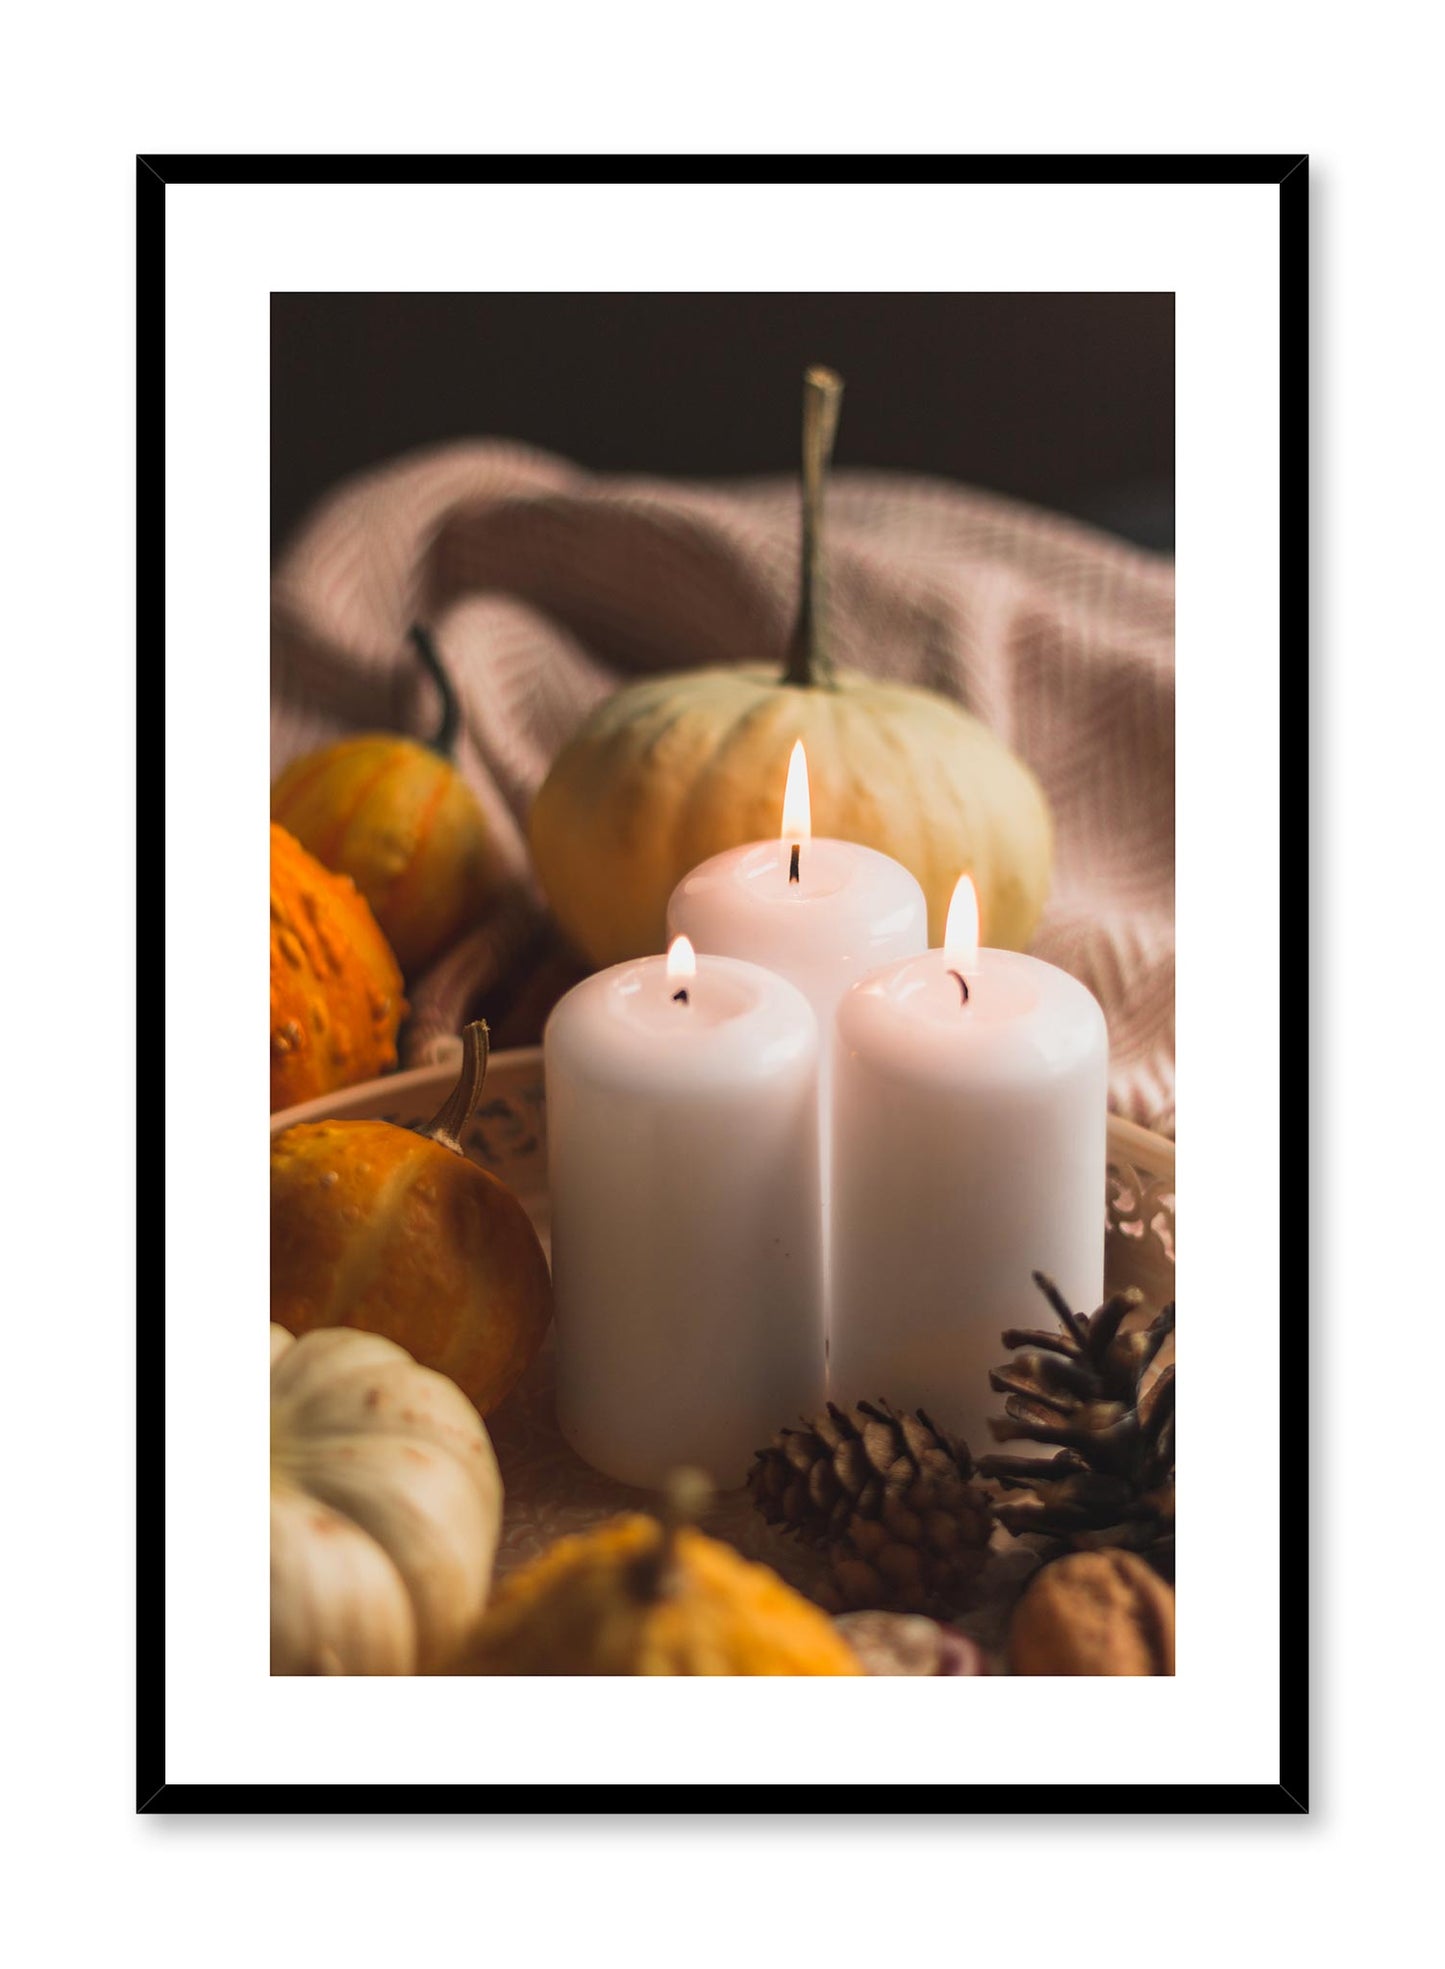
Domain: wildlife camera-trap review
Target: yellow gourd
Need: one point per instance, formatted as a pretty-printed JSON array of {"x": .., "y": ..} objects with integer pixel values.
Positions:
[
  {"x": 639, "y": 1597},
  {"x": 399, "y": 819},
  {"x": 672, "y": 770},
  {"x": 396, "y": 1230},
  {"x": 386, "y": 1506}
]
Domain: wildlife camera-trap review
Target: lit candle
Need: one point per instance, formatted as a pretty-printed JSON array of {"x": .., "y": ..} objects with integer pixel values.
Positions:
[
  {"x": 682, "y": 1126},
  {"x": 819, "y": 913},
  {"x": 969, "y": 1120}
]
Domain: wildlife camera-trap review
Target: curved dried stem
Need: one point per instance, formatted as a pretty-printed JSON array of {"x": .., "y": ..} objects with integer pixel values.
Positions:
[
  {"x": 448, "y": 1124},
  {"x": 809, "y": 661}
]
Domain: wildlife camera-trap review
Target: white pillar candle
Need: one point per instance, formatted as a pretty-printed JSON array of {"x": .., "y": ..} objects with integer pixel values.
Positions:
[
  {"x": 686, "y": 1233},
  {"x": 819, "y": 913},
  {"x": 969, "y": 1126}
]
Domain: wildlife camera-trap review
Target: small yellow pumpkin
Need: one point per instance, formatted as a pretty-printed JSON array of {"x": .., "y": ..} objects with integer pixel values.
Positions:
[
  {"x": 336, "y": 1000},
  {"x": 395, "y": 1230},
  {"x": 386, "y": 1507},
  {"x": 672, "y": 770},
  {"x": 399, "y": 819},
  {"x": 639, "y": 1597}
]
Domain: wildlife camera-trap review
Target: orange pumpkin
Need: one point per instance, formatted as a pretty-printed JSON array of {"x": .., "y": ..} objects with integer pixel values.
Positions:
[
  {"x": 399, "y": 819},
  {"x": 395, "y": 1231},
  {"x": 336, "y": 998}
]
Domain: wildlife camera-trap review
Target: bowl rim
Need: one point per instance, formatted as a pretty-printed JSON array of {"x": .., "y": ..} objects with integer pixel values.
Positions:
[
  {"x": 391, "y": 1086},
  {"x": 1129, "y": 1142}
]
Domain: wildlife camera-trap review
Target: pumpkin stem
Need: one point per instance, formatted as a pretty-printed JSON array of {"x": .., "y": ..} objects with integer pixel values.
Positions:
[
  {"x": 686, "y": 1496},
  {"x": 446, "y": 738},
  {"x": 808, "y": 658},
  {"x": 448, "y": 1123}
]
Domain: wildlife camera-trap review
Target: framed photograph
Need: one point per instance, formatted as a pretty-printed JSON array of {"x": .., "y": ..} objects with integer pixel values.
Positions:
[{"x": 764, "y": 883}]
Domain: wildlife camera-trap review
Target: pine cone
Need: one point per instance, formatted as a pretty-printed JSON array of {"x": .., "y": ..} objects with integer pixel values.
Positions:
[
  {"x": 887, "y": 1498},
  {"x": 1112, "y": 1481}
]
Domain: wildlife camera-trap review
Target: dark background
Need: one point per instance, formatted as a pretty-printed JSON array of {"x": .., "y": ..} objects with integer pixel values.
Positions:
[{"x": 1065, "y": 400}]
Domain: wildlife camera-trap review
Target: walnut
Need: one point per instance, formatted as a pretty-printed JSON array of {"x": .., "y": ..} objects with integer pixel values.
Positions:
[{"x": 1094, "y": 1613}]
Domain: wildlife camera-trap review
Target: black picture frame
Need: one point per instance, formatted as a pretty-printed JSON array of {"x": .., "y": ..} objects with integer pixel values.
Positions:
[{"x": 154, "y": 174}]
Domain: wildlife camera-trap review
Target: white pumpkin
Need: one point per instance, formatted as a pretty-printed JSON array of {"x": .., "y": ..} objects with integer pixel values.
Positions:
[{"x": 386, "y": 1505}]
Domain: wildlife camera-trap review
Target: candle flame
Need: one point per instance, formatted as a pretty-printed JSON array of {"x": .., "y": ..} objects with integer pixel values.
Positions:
[
  {"x": 681, "y": 958},
  {"x": 797, "y": 806},
  {"x": 960, "y": 936}
]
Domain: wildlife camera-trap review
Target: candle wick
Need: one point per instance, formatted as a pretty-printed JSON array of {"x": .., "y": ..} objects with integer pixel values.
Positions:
[
  {"x": 680, "y": 997},
  {"x": 793, "y": 864},
  {"x": 962, "y": 986}
]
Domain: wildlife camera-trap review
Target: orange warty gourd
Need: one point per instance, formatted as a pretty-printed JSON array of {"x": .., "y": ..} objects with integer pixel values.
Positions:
[
  {"x": 336, "y": 999},
  {"x": 395, "y": 1231},
  {"x": 398, "y": 818},
  {"x": 639, "y": 1597}
]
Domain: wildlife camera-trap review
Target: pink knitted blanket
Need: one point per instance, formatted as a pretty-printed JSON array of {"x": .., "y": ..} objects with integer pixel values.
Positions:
[{"x": 546, "y": 586}]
